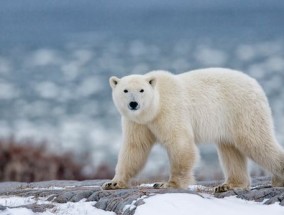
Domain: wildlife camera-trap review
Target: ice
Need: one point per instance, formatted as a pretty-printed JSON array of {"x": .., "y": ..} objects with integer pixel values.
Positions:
[
  {"x": 140, "y": 68},
  {"x": 89, "y": 86},
  {"x": 69, "y": 208},
  {"x": 47, "y": 90},
  {"x": 158, "y": 204},
  {"x": 275, "y": 64},
  {"x": 245, "y": 52},
  {"x": 5, "y": 65},
  {"x": 43, "y": 57},
  {"x": 71, "y": 70},
  {"x": 8, "y": 91},
  {"x": 17, "y": 211},
  {"x": 257, "y": 71},
  {"x": 137, "y": 48},
  {"x": 81, "y": 207},
  {"x": 183, "y": 204},
  {"x": 181, "y": 64},
  {"x": 83, "y": 56},
  {"x": 210, "y": 57}
]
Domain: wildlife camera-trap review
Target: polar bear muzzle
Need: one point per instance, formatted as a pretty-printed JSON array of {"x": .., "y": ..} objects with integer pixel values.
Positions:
[{"x": 133, "y": 105}]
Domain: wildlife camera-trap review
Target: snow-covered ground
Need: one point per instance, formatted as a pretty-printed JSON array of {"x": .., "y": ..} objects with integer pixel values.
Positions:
[
  {"x": 182, "y": 204},
  {"x": 166, "y": 204},
  {"x": 68, "y": 208}
]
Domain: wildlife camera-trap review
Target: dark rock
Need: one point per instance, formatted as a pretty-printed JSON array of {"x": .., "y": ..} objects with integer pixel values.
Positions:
[
  {"x": 102, "y": 204},
  {"x": 51, "y": 198},
  {"x": 225, "y": 194},
  {"x": 2, "y": 208},
  {"x": 282, "y": 202},
  {"x": 117, "y": 200},
  {"x": 139, "y": 202},
  {"x": 259, "y": 193},
  {"x": 278, "y": 197},
  {"x": 37, "y": 208},
  {"x": 64, "y": 197},
  {"x": 98, "y": 195},
  {"x": 81, "y": 195}
]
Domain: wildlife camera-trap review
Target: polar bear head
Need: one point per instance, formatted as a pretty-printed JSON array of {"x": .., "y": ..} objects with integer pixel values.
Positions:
[{"x": 135, "y": 97}]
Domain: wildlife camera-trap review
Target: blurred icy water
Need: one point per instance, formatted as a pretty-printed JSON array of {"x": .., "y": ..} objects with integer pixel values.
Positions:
[{"x": 56, "y": 88}]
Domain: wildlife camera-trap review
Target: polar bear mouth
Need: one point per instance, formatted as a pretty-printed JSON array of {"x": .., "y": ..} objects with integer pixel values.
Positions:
[{"x": 133, "y": 105}]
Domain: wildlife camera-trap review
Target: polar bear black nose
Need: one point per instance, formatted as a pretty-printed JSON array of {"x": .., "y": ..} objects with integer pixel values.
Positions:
[{"x": 133, "y": 105}]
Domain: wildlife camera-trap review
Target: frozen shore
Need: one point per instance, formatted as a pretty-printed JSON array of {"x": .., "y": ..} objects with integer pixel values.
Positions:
[{"x": 57, "y": 197}]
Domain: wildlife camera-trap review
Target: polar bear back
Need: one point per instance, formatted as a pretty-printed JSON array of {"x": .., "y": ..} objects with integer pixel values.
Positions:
[{"x": 218, "y": 103}]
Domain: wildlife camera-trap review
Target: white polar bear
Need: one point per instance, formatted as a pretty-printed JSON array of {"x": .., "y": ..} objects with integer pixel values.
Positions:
[{"x": 217, "y": 105}]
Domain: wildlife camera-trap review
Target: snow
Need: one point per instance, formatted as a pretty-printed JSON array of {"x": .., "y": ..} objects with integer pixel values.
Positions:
[
  {"x": 69, "y": 208},
  {"x": 166, "y": 204},
  {"x": 17, "y": 211},
  {"x": 132, "y": 206},
  {"x": 50, "y": 188},
  {"x": 183, "y": 204},
  {"x": 81, "y": 207},
  {"x": 196, "y": 188},
  {"x": 14, "y": 201}
]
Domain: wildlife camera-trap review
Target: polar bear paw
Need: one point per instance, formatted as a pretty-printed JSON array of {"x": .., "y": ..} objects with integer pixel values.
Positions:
[
  {"x": 231, "y": 186},
  {"x": 160, "y": 185},
  {"x": 222, "y": 188},
  {"x": 164, "y": 185},
  {"x": 113, "y": 185}
]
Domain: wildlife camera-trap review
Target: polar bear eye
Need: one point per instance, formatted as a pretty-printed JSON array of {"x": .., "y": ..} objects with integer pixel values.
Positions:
[
  {"x": 125, "y": 91},
  {"x": 141, "y": 91}
]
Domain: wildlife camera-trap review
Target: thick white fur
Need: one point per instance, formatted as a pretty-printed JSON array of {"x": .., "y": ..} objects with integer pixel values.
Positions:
[{"x": 217, "y": 105}]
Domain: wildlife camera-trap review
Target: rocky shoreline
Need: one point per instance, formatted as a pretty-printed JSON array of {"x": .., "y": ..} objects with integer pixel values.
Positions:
[{"x": 127, "y": 200}]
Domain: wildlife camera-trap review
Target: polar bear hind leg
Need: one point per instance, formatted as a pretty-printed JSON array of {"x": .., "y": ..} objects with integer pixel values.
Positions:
[
  {"x": 265, "y": 151},
  {"x": 234, "y": 164},
  {"x": 270, "y": 155}
]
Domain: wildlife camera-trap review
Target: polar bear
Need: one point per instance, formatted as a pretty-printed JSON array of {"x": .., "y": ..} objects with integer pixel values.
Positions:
[{"x": 218, "y": 105}]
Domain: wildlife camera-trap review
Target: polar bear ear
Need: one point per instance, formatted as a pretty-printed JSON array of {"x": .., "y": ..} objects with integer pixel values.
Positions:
[
  {"x": 113, "y": 81},
  {"x": 151, "y": 81}
]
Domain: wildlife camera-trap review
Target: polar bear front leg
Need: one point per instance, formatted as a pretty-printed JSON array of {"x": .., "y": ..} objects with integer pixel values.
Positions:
[
  {"x": 183, "y": 154},
  {"x": 138, "y": 141}
]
